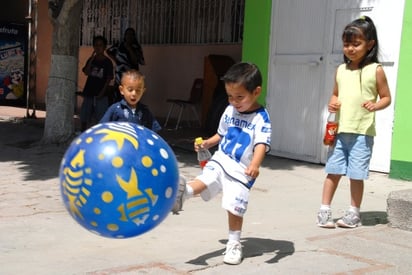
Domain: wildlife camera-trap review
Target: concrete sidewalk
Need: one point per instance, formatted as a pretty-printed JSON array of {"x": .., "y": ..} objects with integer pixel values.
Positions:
[{"x": 38, "y": 236}]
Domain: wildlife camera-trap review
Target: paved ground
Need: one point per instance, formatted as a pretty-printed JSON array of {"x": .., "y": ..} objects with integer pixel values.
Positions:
[{"x": 37, "y": 235}]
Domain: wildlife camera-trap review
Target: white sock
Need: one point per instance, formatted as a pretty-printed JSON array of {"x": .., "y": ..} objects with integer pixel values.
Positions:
[
  {"x": 354, "y": 210},
  {"x": 234, "y": 236},
  {"x": 188, "y": 192},
  {"x": 324, "y": 207}
]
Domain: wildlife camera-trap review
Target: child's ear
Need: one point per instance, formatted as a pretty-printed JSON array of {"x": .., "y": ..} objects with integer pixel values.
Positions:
[{"x": 257, "y": 90}]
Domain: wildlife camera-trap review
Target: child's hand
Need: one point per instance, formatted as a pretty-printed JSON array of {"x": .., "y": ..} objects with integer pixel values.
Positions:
[
  {"x": 197, "y": 147},
  {"x": 370, "y": 106},
  {"x": 252, "y": 172},
  {"x": 206, "y": 145},
  {"x": 333, "y": 107}
]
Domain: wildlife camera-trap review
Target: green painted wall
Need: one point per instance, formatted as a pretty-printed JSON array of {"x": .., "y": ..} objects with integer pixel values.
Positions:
[
  {"x": 256, "y": 37},
  {"x": 401, "y": 158}
]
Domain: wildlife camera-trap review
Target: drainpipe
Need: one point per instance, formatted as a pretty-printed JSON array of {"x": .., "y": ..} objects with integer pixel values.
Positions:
[{"x": 31, "y": 58}]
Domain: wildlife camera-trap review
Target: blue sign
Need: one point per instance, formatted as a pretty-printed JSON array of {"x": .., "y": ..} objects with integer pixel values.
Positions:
[{"x": 13, "y": 51}]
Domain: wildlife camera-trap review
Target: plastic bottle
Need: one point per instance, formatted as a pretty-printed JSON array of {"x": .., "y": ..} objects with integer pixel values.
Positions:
[
  {"x": 203, "y": 155},
  {"x": 331, "y": 130}
]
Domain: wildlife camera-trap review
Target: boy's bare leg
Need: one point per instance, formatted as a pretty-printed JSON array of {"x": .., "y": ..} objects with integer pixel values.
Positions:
[
  {"x": 233, "y": 253},
  {"x": 186, "y": 190},
  {"x": 235, "y": 222},
  {"x": 197, "y": 186}
]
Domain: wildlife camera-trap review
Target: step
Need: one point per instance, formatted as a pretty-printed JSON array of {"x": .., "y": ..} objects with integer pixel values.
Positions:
[{"x": 399, "y": 209}]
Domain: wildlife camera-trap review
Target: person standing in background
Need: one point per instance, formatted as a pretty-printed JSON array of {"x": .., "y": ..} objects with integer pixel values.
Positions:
[
  {"x": 99, "y": 71},
  {"x": 128, "y": 55}
]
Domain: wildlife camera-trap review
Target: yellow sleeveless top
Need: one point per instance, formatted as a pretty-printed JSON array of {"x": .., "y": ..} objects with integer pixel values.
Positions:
[{"x": 354, "y": 88}]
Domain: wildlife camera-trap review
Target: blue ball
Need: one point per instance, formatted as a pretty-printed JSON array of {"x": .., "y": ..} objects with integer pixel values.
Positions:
[{"x": 119, "y": 179}]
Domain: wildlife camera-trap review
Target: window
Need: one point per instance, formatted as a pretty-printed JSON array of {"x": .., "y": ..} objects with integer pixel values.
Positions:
[{"x": 159, "y": 22}]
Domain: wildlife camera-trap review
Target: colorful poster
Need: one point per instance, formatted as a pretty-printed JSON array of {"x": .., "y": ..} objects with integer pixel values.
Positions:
[{"x": 13, "y": 48}]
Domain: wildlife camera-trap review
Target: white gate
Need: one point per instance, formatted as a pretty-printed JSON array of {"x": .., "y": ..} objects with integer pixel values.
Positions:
[{"x": 306, "y": 48}]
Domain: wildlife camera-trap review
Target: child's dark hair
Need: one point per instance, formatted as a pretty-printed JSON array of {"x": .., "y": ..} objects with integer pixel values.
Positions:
[
  {"x": 365, "y": 27},
  {"x": 134, "y": 74},
  {"x": 99, "y": 38},
  {"x": 245, "y": 74}
]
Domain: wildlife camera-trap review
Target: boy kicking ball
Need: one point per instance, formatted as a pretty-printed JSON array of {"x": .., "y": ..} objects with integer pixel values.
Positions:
[{"x": 243, "y": 139}]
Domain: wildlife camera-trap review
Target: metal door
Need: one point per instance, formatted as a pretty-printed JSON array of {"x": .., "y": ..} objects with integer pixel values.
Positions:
[{"x": 296, "y": 80}]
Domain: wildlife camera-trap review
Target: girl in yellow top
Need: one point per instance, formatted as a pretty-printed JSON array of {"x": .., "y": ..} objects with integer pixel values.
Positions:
[{"x": 359, "y": 82}]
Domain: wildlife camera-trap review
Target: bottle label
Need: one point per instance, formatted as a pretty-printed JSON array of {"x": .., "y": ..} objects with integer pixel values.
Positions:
[
  {"x": 330, "y": 133},
  {"x": 202, "y": 163}
]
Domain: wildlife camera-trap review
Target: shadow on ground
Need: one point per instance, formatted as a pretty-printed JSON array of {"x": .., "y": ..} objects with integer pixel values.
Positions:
[
  {"x": 372, "y": 218},
  {"x": 253, "y": 247},
  {"x": 20, "y": 145}
]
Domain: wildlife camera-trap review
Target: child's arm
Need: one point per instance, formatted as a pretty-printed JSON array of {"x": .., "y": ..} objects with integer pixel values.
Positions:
[
  {"x": 334, "y": 103},
  {"x": 258, "y": 156},
  {"x": 111, "y": 52},
  {"x": 107, "y": 117},
  {"x": 86, "y": 69},
  {"x": 383, "y": 91},
  {"x": 108, "y": 69},
  {"x": 208, "y": 143}
]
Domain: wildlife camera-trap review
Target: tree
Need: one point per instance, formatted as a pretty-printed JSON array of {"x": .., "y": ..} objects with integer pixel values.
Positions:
[{"x": 60, "y": 94}]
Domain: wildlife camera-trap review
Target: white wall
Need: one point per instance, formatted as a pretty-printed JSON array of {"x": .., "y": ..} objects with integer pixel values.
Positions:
[{"x": 170, "y": 70}]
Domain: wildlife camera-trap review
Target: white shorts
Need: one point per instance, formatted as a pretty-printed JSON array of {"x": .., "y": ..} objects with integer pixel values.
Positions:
[{"x": 235, "y": 195}]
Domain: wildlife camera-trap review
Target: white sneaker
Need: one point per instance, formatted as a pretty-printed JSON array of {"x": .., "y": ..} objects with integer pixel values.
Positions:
[
  {"x": 349, "y": 220},
  {"x": 177, "y": 207},
  {"x": 325, "y": 219},
  {"x": 233, "y": 254}
]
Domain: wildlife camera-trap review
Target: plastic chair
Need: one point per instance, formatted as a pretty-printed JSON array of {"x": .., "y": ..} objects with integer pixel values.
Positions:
[{"x": 193, "y": 102}]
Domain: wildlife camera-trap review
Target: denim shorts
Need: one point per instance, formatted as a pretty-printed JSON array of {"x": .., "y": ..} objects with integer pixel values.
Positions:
[{"x": 350, "y": 156}]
